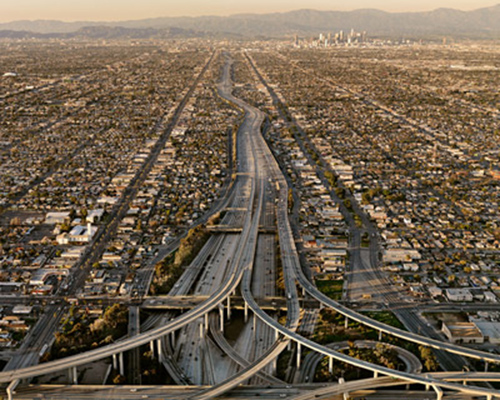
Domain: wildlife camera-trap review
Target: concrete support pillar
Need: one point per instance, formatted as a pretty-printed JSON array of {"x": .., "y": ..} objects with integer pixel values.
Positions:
[
  {"x": 229, "y": 308},
  {"x": 486, "y": 366},
  {"x": 173, "y": 339},
  {"x": 74, "y": 375},
  {"x": 439, "y": 392},
  {"x": 121, "y": 364},
  {"x": 330, "y": 365},
  {"x": 298, "y": 354},
  {"x": 375, "y": 374},
  {"x": 10, "y": 389},
  {"x": 201, "y": 331},
  {"x": 115, "y": 362},
  {"x": 221, "y": 319},
  {"x": 289, "y": 345},
  {"x": 346, "y": 323},
  {"x": 246, "y": 312},
  {"x": 379, "y": 336},
  {"x": 160, "y": 353},
  {"x": 206, "y": 322},
  {"x": 464, "y": 383},
  {"x": 346, "y": 396},
  {"x": 276, "y": 335},
  {"x": 303, "y": 292},
  {"x": 254, "y": 325},
  {"x": 152, "y": 348}
]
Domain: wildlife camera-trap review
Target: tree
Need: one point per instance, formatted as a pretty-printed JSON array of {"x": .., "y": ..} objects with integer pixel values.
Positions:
[
  {"x": 119, "y": 380},
  {"x": 290, "y": 200},
  {"x": 429, "y": 359},
  {"x": 65, "y": 227},
  {"x": 365, "y": 198},
  {"x": 331, "y": 178}
]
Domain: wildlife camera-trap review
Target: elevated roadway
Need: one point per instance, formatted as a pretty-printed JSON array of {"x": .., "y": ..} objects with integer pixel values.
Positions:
[
  {"x": 312, "y": 360},
  {"x": 381, "y": 327},
  {"x": 253, "y": 177},
  {"x": 242, "y": 257},
  {"x": 376, "y": 369},
  {"x": 262, "y": 152}
]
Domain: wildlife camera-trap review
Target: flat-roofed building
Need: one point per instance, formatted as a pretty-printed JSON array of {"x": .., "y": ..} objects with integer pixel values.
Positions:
[
  {"x": 22, "y": 309},
  {"x": 333, "y": 259},
  {"x": 53, "y": 218},
  {"x": 397, "y": 255},
  {"x": 459, "y": 294},
  {"x": 79, "y": 234},
  {"x": 490, "y": 331},
  {"x": 462, "y": 332}
]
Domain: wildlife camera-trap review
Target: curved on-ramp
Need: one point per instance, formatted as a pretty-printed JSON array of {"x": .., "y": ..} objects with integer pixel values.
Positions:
[
  {"x": 410, "y": 360},
  {"x": 379, "y": 326}
]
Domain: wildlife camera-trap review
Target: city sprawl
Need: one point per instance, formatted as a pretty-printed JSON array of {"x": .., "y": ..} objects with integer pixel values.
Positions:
[{"x": 202, "y": 218}]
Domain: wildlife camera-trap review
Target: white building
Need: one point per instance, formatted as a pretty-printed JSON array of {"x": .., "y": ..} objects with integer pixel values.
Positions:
[
  {"x": 79, "y": 234},
  {"x": 95, "y": 215},
  {"x": 21, "y": 309},
  {"x": 401, "y": 255},
  {"x": 459, "y": 295},
  {"x": 53, "y": 218},
  {"x": 435, "y": 291},
  {"x": 490, "y": 297}
]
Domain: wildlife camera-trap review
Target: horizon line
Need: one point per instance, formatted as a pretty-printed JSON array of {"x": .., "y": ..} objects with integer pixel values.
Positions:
[{"x": 243, "y": 14}]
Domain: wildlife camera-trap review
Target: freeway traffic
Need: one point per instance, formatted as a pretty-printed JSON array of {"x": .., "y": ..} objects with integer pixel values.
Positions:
[
  {"x": 244, "y": 256},
  {"x": 410, "y": 336}
]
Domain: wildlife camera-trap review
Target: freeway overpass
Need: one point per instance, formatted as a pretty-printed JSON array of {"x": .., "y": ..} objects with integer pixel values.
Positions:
[
  {"x": 157, "y": 303},
  {"x": 251, "y": 178},
  {"x": 244, "y": 256}
]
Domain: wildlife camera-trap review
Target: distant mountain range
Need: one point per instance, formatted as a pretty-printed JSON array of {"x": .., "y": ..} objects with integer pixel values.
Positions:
[
  {"x": 103, "y": 32},
  {"x": 482, "y": 23}
]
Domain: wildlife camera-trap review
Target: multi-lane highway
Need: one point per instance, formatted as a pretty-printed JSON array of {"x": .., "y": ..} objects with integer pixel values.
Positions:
[
  {"x": 266, "y": 172},
  {"x": 381, "y": 285},
  {"x": 43, "y": 332},
  {"x": 227, "y": 278},
  {"x": 364, "y": 277},
  {"x": 376, "y": 369},
  {"x": 38, "y": 340},
  {"x": 242, "y": 256}
]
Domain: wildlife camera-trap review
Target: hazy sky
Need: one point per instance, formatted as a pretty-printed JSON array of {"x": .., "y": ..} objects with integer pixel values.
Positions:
[{"x": 113, "y": 10}]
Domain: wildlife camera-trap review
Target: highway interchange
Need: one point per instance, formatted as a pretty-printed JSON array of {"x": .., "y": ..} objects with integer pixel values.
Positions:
[{"x": 241, "y": 258}]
